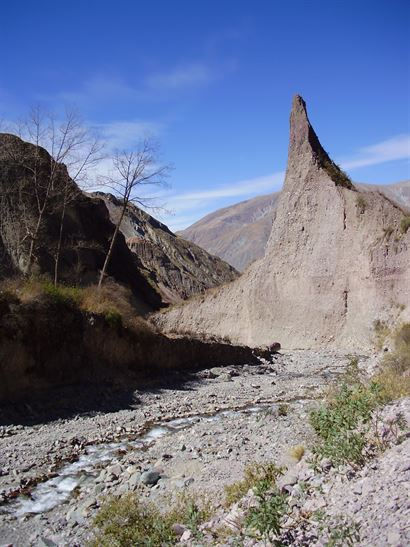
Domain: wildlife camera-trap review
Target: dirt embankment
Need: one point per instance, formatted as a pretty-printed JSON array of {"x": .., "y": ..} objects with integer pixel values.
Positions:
[{"x": 48, "y": 343}]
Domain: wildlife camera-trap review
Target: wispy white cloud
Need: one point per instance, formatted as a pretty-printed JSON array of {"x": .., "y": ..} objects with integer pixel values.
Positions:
[
  {"x": 191, "y": 206},
  {"x": 245, "y": 187},
  {"x": 188, "y": 207},
  {"x": 104, "y": 89},
  {"x": 100, "y": 89},
  {"x": 126, "y": 134},
  {"x": 395, "y": 148},
  {"x": 180, "y": 77}
]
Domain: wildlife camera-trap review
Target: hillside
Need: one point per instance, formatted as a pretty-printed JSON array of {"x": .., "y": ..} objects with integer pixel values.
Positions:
[
  {"x": 336, "y": 255},
  {"x": 158, "y": 266},
  {"x": 177, "y": 268},
  {"x": 239, "y": 233}
]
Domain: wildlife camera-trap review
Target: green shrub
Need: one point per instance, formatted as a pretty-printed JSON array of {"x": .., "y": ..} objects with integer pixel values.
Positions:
[
  {"x": 405, "y": 224},
  {"x": 339, "y": 531},
  {"x": 264, "y": 520},
  {"x": 339, "y": 424},
  {"x": 61, "y": 293},
  {"x": 127, "y": 522}
]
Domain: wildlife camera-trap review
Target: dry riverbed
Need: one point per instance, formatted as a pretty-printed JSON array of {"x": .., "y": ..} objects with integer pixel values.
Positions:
[{"x": 196, "y": 437}]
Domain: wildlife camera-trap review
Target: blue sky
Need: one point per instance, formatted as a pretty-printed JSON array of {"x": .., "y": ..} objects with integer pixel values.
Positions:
[{"x": 213, "y": 80}]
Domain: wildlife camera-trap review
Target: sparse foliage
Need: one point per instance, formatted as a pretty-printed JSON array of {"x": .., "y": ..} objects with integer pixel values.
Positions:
[
  {"x": 127, "y": 521},
  {"x": 132, "y": 171},
  {"x": 361, "y": 203},
  {"x": 264, "y": 520},
  {"x": 254, "y": 474},
  {"x": 405, "y": 224},
  {"x": 44, "y": 181},
  {"x": 342, "y": 423}
]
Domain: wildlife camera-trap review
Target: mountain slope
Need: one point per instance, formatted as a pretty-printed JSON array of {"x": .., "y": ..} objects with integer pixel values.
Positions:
[
  {"x": 178, "y": 268},
  {"x": 157, "y": 265},
  {"x": 239, "y": 233},
  {"x": 87, "y": 227},
  {"x": 336, "y": 260}
]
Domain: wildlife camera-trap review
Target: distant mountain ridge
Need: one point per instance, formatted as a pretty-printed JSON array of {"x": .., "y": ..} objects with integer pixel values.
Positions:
[{"x": 239, "y": 233}]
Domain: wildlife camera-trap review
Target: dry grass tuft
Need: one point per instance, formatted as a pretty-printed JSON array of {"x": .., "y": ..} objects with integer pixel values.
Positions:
[
  {"x": 254, "y": 474},
  {"x": 394, "y": 376},
  {"x": 297, "y": 452},
  {"x": 115, "y": 302}
]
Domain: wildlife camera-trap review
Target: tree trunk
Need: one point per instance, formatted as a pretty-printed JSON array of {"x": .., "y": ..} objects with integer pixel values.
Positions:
[
  {"x": 60, "y": 237},
  {"x": 32, "y": 243},
  {"x": 111, "y": 247}
]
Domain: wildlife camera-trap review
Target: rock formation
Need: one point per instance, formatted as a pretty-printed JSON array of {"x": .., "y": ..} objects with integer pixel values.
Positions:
[
  {"x": 178, "y": 268},
  {"x": 239, "y": 233},
  {"x": 337, "y": 260},
  {"x": 159, "y": 266},
  {"x": 87, "y": 227}
]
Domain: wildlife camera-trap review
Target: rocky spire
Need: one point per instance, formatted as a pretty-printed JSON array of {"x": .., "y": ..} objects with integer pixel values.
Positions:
[{"x": 305, "y": 149}]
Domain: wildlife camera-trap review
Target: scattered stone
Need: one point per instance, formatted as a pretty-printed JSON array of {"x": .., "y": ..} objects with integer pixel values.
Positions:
[{"x": 150, "y": 478}]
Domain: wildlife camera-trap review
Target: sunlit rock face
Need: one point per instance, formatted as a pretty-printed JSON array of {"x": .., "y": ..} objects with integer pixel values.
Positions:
[{"x": 336, "y": 260}]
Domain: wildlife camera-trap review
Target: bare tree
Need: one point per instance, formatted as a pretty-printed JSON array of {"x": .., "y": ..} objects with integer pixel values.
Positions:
[
  {"x": 66, "y": 141},
  {"x": 132, "y": 170}
]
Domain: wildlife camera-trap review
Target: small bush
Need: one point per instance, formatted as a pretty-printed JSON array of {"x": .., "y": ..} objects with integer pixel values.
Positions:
[
  {"x": 113, "y": 318},
  {"x": 62, "y": 294},
  {"x": 340, "y": 423},
  {"x": 394, "y": 377},
  {"x": 126, "y": 522},
  {"x": 255, "y": 474},
  {"x": 361, "y": 203},
  {"x": 265, "y": 518},
  {"x": 338, "y": 531},
  {"x": 405, "y": 224},
  {"x": 283, "y": 409}
]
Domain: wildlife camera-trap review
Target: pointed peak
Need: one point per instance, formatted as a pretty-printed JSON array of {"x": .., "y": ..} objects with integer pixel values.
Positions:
[{"x": 304, "y": 145}]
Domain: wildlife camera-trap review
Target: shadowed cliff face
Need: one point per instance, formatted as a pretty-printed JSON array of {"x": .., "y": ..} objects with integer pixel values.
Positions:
[
  {"x": 87, "y": 227},
  {"x": 159, "y": 266},
  {"x": 178, "y": 268},
  {"x": 336, "y": 261}
]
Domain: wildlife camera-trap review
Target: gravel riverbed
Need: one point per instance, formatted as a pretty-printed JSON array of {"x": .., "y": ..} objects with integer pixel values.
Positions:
[{"x": 196, "y": 437}]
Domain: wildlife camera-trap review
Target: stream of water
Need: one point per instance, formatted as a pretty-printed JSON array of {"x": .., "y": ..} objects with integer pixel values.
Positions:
[{"x": 53, "y": 492}]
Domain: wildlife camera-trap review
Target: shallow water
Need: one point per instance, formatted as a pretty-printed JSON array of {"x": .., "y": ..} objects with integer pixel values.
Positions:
[{"x": 56, "y": 491}]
